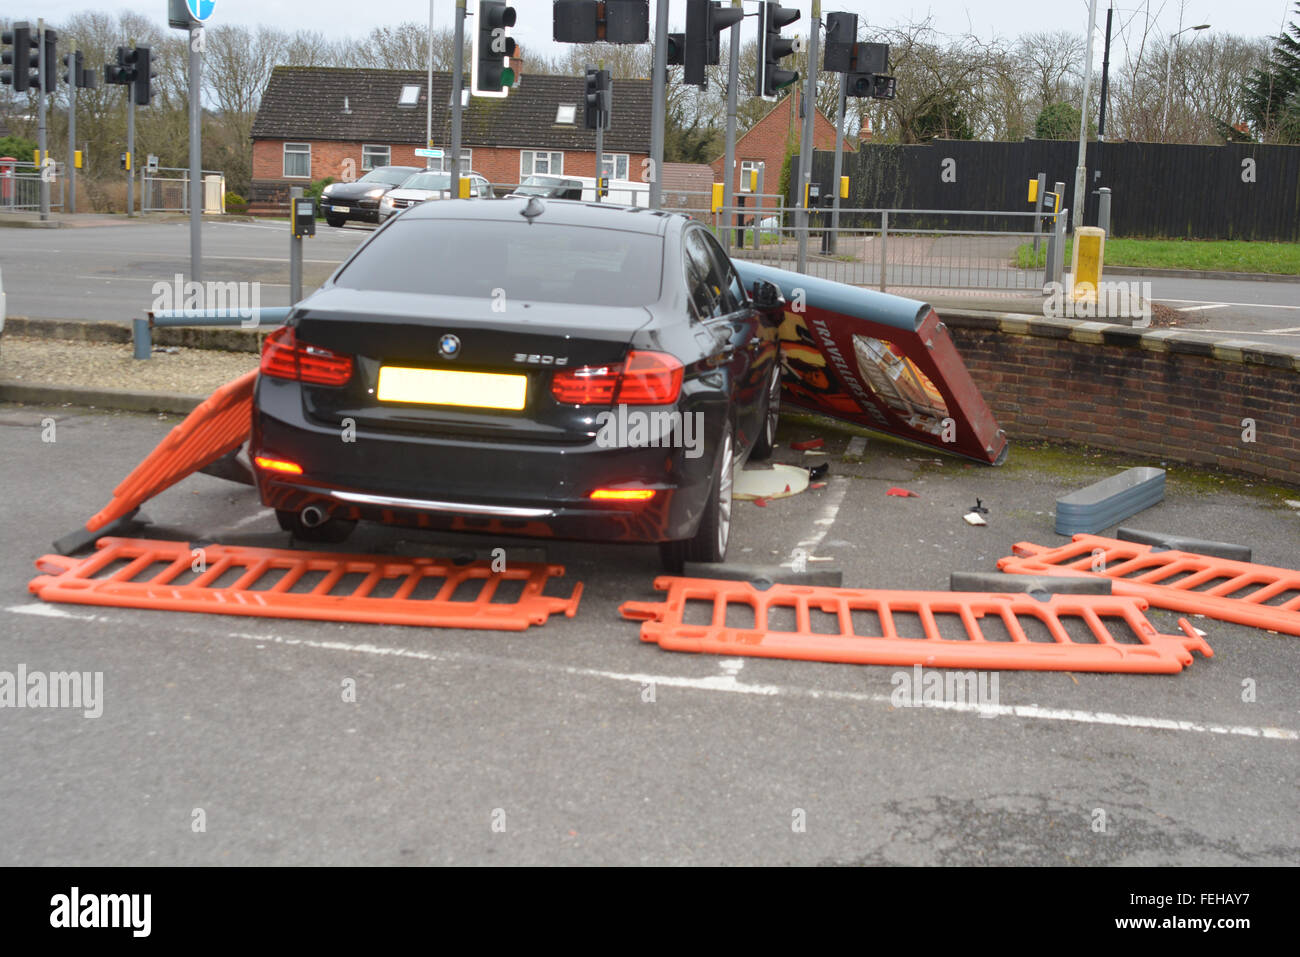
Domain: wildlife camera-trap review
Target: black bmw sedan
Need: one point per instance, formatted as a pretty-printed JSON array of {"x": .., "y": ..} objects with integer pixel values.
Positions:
[{"x": 528, "y": 367}]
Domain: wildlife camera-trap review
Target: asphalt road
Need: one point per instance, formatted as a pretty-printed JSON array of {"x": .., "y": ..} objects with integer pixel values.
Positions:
[
  {"x": 550, "y": 733},
  {"x": 109, "y": 272}
]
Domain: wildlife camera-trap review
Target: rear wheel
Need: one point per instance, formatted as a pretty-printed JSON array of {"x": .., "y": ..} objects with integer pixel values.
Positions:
[
  {"x": 766, "y": 440},
  {"x": 332, "y": 530},
  {"x": 335, "y": 220},
  {"x": 709, "y": 543}
]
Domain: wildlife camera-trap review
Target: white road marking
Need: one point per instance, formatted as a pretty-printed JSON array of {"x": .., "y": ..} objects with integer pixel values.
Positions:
[
  {"x": 727, "y": 683},
  {"x": 1249, "y": 305},
  {"x": 156, "y": 281},
  {"x": 1238, "y": 333},
  {"x": 1215, "y": 305},
  {"x": 839, "y": 487},
  {"x": 43, "y": 609}
]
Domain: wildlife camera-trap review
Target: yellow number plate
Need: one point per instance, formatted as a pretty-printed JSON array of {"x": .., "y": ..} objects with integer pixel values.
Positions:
[{"x": 476, "y": 390}]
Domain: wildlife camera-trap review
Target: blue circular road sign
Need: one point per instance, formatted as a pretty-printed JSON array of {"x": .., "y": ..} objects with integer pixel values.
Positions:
[{"x": 200, "y": 10}]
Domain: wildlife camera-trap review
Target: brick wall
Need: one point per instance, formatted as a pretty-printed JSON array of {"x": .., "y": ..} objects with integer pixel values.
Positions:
[
  {"x": 1173, "y": 395},
  {"x": 270, "y": 190}
]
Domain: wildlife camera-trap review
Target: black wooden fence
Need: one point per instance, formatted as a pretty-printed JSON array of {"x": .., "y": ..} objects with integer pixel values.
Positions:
[{"x": 1237, "y": 191}]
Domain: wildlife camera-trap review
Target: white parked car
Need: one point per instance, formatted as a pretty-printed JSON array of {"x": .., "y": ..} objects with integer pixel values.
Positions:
[{"x": 427, "y": 185}]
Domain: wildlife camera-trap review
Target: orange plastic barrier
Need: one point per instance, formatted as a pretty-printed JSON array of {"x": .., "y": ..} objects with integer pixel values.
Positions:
[
  {"x": 260, "y": 583},
  {"x": 937, "y": 629},
  {"x": 219, "y": 425},
  {"x": 1257, "y": 595}
]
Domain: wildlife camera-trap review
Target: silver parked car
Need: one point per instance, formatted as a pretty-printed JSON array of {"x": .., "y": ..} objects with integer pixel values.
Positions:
[{"x": 427, "y": 185}]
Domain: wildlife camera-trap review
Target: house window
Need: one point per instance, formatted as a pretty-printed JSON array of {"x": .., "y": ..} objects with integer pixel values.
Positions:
[
  {"x": 297, "y": 160},
  {"x": 613, "y": 165},
  {"x": 375, "y": 156},
  {"x": 536, "y": 162},
  {"x": 746, "y": 167},
  {"x": 410, "y": 96},
  {"x": 443, "y": 164}
]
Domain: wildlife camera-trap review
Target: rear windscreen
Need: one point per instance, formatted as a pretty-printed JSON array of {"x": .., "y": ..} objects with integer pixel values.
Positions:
[{"x": 527, "y": 262}]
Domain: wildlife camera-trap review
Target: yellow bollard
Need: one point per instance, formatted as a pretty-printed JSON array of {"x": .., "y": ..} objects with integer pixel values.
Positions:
[{"x": 1086, "y": 262}]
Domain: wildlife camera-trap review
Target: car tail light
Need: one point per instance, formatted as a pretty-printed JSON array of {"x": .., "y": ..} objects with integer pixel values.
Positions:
[
  {"x": 645, "y": 378},
  {"x": 622, "y": 495},
  {"x": 278, "y": 465},
  {"x": 650, "y": 378},
  {"x": 286, "y": 358}
]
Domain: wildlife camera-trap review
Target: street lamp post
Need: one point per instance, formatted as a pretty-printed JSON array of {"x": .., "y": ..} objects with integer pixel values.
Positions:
[{"x": 1169, "y": 74}]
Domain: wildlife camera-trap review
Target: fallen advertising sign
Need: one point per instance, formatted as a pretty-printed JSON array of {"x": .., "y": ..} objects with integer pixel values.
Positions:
[{"x": 879, "y": 361}]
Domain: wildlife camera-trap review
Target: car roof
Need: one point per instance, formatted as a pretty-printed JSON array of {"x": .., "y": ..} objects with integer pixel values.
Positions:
[{"x": 559, "y": 212}]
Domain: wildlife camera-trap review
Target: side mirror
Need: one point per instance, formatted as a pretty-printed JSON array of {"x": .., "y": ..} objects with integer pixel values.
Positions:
[{"x": 766, "y": 295}]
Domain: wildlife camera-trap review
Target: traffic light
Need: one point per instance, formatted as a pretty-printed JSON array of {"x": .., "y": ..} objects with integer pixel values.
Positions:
[
  {"x": 581, "y": 21},
  {"x": 19, "y": 58},
  {"x": 72, "y": 68},
  {"x": 599, "y": 94},
  {"x": 50, "y": 61},
  {"x": 676, "y": 49},
  {"x": 841, "y": 38},
  {"x": 120, "y": 73},
  {"x": 490, "y": 73},
  {"x": 705, "y": 22},
  {"x": 143, "y": 74},
  {"x": 772, "y": 48},
  {"x": 868, "y": 74}
]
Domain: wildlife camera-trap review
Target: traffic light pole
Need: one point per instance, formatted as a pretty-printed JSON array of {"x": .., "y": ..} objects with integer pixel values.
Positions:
[
  {"x": 74, "y": 78},
  {"x": 839, "y": 161},
  {"x": 40, "y": 124},
  {"x": 729, "y": 161},
  {"x": 130, "y": 151},
  {"x": 600, "y": 154},
  {"x": 806, "y": 141},
  {"x": 658, "y": 104},
  {"x": 196, "y": 152},
  {"x": 1080, "y": 171},
  {"x": 457, "y": 85}
]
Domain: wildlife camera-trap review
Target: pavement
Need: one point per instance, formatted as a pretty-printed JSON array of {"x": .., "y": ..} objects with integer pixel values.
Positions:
[{"x": 577, "y": 743}]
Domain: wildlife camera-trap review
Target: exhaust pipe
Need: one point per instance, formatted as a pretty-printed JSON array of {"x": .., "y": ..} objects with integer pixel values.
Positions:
[{"x": 313, "y": 516}]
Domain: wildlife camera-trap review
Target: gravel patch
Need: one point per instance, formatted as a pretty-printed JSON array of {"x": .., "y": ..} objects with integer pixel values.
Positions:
[{"x": 99, "y": 365}]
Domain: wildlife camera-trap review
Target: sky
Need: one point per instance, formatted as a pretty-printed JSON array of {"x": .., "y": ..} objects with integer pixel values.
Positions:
[{"x": 1002, "y": 18}]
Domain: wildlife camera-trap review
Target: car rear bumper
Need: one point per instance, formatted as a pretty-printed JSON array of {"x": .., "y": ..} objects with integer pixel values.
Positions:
[{"x": 453, "y": 483}]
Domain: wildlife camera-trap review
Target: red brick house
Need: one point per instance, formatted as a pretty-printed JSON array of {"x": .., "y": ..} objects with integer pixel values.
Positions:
[
  {"x": 318, "y": 122},
  {"x": 766, "y": 142}
]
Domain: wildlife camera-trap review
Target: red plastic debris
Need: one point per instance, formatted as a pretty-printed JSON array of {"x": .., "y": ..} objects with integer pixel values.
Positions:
[
  {"x": 807, "y": 444},
  {"x": 902, "y": 492},
  {"x": 817, "y": 485},
  {"x": 761, "y": 502}
]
